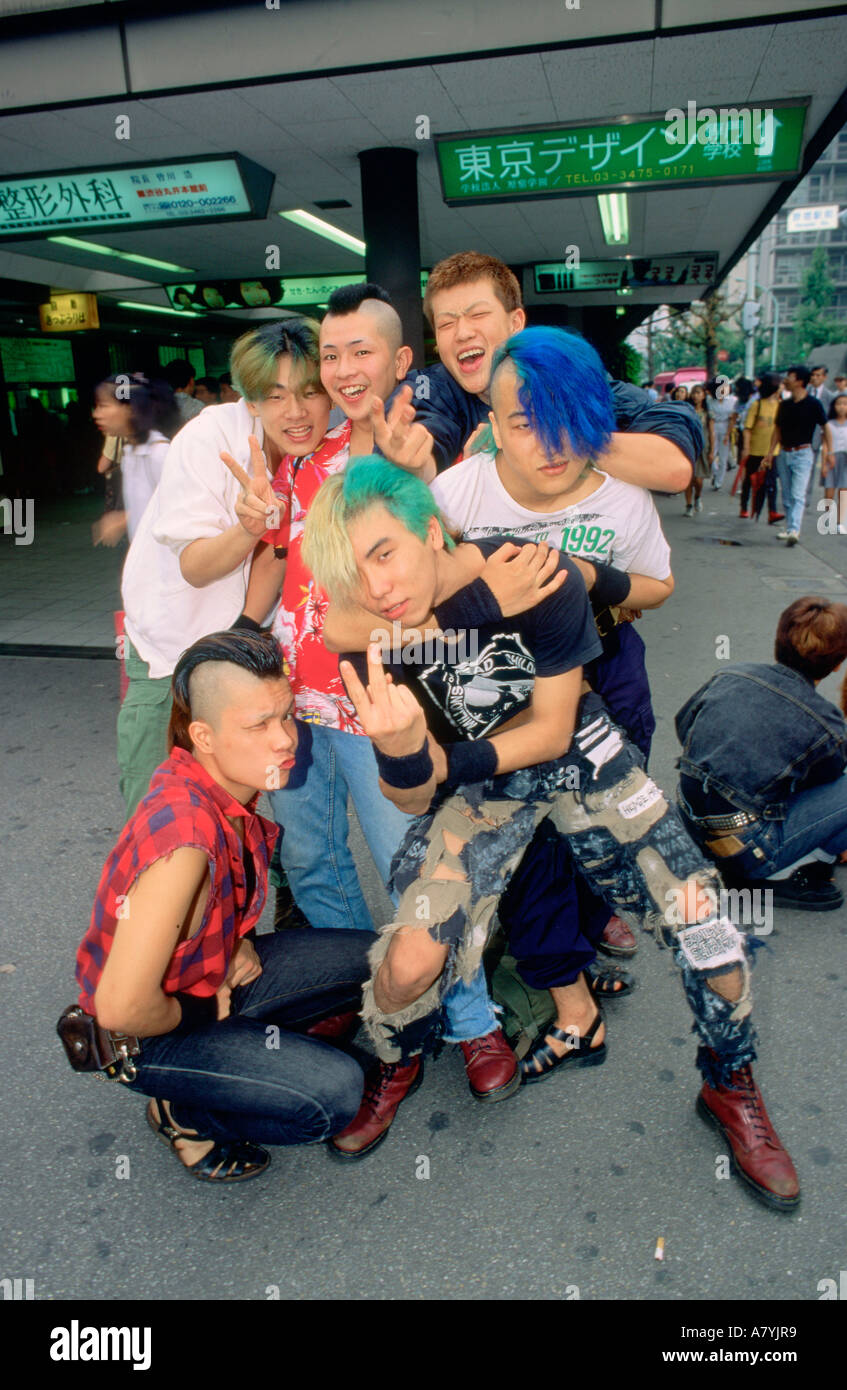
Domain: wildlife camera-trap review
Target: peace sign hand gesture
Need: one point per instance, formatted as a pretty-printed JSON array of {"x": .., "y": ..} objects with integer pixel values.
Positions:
[
  {"x": 400, "y": 439},
  {"x": 389, "y": 714},
  {"x": 258, "y": 508}
]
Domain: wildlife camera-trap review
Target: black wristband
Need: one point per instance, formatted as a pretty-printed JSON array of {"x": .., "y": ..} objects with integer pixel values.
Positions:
[
  {"x": 413, "y": 770},
  {"x": 611, "y": 586},
  {"x": 470, "y": 762},
  {"x": 197, "y": 1010},
  {"x": 245, "y": 624},
  {"x": 469, "y": 607}
]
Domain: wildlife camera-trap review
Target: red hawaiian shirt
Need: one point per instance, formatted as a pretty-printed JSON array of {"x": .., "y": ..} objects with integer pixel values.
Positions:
[
  {"x": 184, "y": 807},
  {"x": 319, "y": 693}
]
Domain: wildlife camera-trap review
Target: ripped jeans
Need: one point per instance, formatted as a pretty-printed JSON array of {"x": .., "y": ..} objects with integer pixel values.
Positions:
[{"x": 629, "y": 843}]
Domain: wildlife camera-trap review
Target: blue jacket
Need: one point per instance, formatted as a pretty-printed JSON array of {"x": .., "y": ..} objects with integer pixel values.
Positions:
[
  {"x": 756, "y": 735},
  {"x": 451, "y": 414}
]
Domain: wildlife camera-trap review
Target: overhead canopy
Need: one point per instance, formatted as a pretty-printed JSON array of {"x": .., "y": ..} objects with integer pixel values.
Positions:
[{"x": 301, "y": 89}]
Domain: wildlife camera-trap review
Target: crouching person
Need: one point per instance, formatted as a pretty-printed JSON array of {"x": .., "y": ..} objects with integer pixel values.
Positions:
[
  {"x": 764, "y": 792},
  {"x": 509, "y": 736},
  {"x": 169, "y": 960}
]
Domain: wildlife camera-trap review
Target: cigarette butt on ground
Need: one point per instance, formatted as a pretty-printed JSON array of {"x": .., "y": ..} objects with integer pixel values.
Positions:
[{"x": 659, "y": 1252}]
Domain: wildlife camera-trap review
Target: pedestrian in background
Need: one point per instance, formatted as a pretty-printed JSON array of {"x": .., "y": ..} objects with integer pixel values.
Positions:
[
  {"x": 702, "y": 463},
  {"x": 834, "y": 458},
  {"x": 206, "y": 390},
  {"x": 179, "y": 374},
  {"x": 797, "y": 419},
  {"x": 142, "y": 414},
  {"x": 723, "y": 412},
  {"x": 756, "y": 438}
]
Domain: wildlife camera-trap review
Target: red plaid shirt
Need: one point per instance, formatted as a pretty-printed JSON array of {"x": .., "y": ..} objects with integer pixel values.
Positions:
[{"x": 184, "y": 807}]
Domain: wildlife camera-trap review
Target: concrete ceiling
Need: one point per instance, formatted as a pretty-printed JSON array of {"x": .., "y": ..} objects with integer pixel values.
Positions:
[{"x": 308, "y": 132}]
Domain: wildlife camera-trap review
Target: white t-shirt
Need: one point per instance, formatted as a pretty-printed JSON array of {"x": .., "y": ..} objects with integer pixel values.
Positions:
[
  {"x": 195, "y": 498},
  {"x": 141, "y": 469},
  {"x": 617, "y": 525},
  {"x": 839, "y": 436}
]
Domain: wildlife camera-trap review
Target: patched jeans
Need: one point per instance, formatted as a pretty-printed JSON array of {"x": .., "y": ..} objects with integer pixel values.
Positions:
[
  {"x": 629, "y": 843},
  {"x": 318, "y": 861}
]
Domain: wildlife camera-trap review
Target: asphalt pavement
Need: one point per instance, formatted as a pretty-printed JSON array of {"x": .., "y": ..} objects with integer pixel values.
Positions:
[{"x": 558, "y": 1193}]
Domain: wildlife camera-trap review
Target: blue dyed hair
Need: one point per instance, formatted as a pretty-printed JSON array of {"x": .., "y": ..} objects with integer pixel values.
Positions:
[{"x": 563, "y": 389}]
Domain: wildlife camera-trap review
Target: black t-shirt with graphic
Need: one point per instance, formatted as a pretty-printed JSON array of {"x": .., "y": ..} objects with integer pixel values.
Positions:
[{"x": 475, "y": 678}]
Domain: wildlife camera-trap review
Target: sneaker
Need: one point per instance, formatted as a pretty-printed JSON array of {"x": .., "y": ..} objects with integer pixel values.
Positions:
[
  {"x": 783, "y": 535},
  {"x": 758, "y": 1155},
  {"x": 390, "y": 1084},
  {"x": 689, "y": 509},
  {"x": 491, "y": 1066},
  {"x": 774, "y": 517},
  {"x": 792, "y": 538},
  {"x": 698, "y": 505},
  {"x": 742, "y": 513}
]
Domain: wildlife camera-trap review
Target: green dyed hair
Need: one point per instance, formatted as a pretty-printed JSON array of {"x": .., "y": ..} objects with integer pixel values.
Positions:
[
  {"x": 253, "y": 357},
  {"x": 368, "y": 482}
]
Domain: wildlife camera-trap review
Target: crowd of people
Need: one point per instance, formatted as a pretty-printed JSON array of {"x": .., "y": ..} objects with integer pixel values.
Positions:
[
  {"x": 781, "y": 429},
  {"x": 418, "y": 590}
]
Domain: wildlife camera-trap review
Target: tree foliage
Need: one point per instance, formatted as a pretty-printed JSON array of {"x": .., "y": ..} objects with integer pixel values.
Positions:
[{"x": 812, "y": 323}]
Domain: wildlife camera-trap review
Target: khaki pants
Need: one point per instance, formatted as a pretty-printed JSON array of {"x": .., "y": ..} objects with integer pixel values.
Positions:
[{"x": 142, "y": 729}]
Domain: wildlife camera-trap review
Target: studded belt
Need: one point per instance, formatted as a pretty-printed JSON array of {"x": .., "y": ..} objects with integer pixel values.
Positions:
[{"x": 736, "y": 821}]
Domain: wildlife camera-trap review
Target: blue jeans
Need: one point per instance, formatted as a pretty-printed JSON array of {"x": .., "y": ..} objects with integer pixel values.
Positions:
[
  {"x": 795, "y": 467},
  {"x": 312, "y": 809},
  {"x": 230, "y": 1081},
  {"x": 816, "y": 819}
]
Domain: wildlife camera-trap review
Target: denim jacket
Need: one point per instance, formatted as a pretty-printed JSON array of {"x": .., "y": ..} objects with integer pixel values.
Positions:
[{"x": 756, "y": 735}]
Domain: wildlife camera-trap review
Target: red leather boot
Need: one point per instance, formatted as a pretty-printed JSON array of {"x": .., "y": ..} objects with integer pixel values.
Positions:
[
  {"x": 386, "y": 1088},
  {"x": 738, "y": 1112},
  {"x": 491, "y": 1066}
]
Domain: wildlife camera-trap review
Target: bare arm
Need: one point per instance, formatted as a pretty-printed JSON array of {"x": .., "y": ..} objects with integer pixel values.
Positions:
[
  {"x": 648, "y": 460},
  {"x": 548, "y": 731},
  {"x": 648, "y": 593},
  {"x": 776, "y": 441},
  {"x": 210, "y": 558},
  {"x": 265, "y": 586},
  {"x": 644, "y": 592},
  {"x": 129, "y": 997}
]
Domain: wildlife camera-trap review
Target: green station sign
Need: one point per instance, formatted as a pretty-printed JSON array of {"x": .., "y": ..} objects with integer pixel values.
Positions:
[
  {"x": 694, "y": 146},
  {"x": 127, "y": 197}
]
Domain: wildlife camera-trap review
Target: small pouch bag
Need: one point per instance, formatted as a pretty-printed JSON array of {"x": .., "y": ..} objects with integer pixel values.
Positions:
[{"x": 92, "y": 1048}]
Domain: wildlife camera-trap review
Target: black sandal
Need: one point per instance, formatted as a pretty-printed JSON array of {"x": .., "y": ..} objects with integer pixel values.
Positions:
[
  {"x": 579, "y": 1050},
  {"x": 233, "y": 1161},
  {"x": 602, "y": 983}
]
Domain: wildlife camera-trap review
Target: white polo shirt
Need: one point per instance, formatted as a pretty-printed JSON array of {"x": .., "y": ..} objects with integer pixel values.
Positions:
[{"x": 195, "y": 498}]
